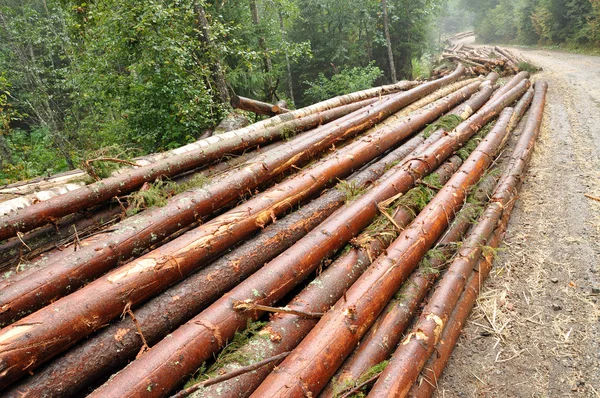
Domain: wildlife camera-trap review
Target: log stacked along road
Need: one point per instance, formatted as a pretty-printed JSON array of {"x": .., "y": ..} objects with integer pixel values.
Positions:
[{"x": 292, "y": 269}]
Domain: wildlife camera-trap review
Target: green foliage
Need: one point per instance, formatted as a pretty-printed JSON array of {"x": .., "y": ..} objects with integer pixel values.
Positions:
[
  {"x": 346, "y": 81},
  {"x": 159, "y": 192},
  {"x": 341, "y": 389},
  {"x": 447, "y": 122},
  {"x": 230, "y": 354},
  {"x": 140, "y": 76},
  {"x": 571, "y": 22},
  {"x": 421, "y": 68},
  {"x": 350, "y": 189}
]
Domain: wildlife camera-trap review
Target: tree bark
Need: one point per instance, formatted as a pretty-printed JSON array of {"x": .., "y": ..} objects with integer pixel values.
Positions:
[
  {"x": 215, "y": 64},
  {"x": 134, "y": 283},
  {"x": 103, "y": 353},
  {"x": 314, "y": 361},
  {"x": 388, "y": 40},
  {"x": 284, "y": 332},
  {"x": 205, "y": 151},
  {"x": 385, "y": 334},
  {"x": 262, "y": 45},
  {"x": 287, "y": 59}
]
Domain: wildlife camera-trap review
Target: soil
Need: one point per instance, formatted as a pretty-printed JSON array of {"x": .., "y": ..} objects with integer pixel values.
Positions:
[{"x": 535, "y": 331}]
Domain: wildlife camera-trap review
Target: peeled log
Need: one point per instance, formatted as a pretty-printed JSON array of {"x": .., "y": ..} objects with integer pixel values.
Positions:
[
  {"x": 137, "y": 233},
  {"x": 315, "y": 360},
  {"x": 408, "y": 360},
  {"x": 208, "y": 150},
  {"x": 258, "y": 107},
  {"x": 385, "y": 334},
  {"x": 205, "y": 334},
  {"x": 284, "y": 331},
  {"x": 66, "y": 321},
  {"x": 502, "y": 203},
  {"x": 104, "y": 353}
]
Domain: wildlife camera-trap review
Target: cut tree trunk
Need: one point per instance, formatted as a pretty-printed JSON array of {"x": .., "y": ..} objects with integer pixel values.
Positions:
[
  {"x": 202, "y": 336},
  {"x": 211, "y": 149},
  {"x": 314, "y": 361},
  {"x": 104, "y": 353},
  {"x": 284, "y": 331},
  {"x": 258, "y": 107},
  {"x": 407, "y": 362},
  {"x": 139, "y": 232},
  {"x": 385, "y": 334},
  {"x": 107, "y": 297}
]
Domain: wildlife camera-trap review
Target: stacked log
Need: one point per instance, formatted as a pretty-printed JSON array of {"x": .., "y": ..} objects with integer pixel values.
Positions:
[
  {"x": 350, "y": 208},
  {"x": 482, "y": 60}
]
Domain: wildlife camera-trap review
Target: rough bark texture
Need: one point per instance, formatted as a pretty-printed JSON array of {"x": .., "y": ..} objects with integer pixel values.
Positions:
[
  {"x": 137, "y": 233},
  {"x": 210, "y": 149},
  {"x": 112, "y": 347},
  {"x": 89, "y": 308},
  {"x": 314, "y": 361}
]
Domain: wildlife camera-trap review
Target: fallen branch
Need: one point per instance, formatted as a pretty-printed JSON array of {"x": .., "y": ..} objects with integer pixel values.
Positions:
[{"x": 251, "y": 306}]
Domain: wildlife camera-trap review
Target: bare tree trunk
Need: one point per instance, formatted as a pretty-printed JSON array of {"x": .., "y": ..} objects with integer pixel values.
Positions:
[
  {"x": 388, "y": 40},
  {"x": 215, "y": 68},
  {"x": 268, "y": 67},
  {"x": 287, "y": 60}
]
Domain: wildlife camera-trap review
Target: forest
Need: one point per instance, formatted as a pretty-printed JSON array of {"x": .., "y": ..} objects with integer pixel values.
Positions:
[{"x": 125, "y": 78}]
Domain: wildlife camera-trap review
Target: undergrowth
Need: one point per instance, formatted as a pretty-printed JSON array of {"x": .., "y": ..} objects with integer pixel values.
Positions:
[{"x": 350, "y": 189}]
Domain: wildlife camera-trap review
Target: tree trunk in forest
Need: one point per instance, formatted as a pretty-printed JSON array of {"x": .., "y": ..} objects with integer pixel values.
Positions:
[
  {"x": 287, "y": 60},
  {"x": 269, "y": 89},
  {"x": 215, "y": 64},
  {"x": 388, "y": 40}
]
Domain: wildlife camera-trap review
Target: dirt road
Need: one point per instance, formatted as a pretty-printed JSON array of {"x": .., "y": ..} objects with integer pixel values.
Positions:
[{"x": 536, "y": 329}]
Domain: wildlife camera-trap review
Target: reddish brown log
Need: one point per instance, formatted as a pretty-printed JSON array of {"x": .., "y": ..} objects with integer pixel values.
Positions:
[
  {"x": 407, "y": 362},
  {"x": 198, "y": 339},
  {"x": 315, "y": 360},
  {"x": 505, "y": 197},
  {"x": 138, "y": 233},
  {"x": 385, "y": 334},
  {"x": 110, "y": 349},
  {"x": 91, "y": 307},
  {"x": 519, "y": 77},
  {"x": 284, "y": 332},
  {"x": 437, "y": 362},
  {"x": 258, "y": 107},
  {"x": 14, "y": 251},
  {"x": 210, "y": 149}
]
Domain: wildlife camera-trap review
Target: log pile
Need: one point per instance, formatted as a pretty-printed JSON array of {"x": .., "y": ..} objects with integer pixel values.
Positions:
[
  {"x": 288, "y": 258},
  {"x": 482, "y": 60}
]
